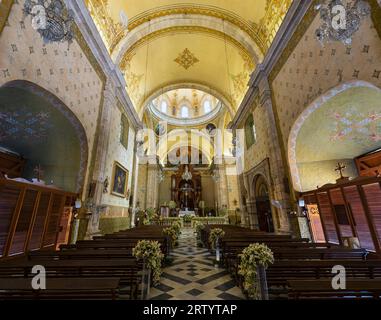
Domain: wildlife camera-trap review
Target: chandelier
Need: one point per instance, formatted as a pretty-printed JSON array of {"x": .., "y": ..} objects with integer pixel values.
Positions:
[
  {"x": 52, "y": 20},
  {"x": 341, "y": 19}
]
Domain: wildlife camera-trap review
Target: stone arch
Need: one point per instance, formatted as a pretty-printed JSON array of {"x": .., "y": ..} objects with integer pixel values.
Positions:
[
  {"x": 314, "y": 106},
  {"x": 187, "y": 85},
  {"x": 54, "y": 102},
  {"x": 189, "y": 20}
]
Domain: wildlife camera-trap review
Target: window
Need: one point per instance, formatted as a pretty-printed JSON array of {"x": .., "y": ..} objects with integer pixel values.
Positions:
[
  {"x": 164, "y": 106},
  {"x": 184, "y": 112},
  {"x": 250, "y": 132},
  {"x": 124, "y": 131},
  {"x": 207, "y": 107}
]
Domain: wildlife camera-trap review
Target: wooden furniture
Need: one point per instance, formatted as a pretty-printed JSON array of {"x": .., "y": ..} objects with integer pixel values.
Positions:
[
  {"x": 369, "y": 165},
  {"x": 11, "y": 164},
  {"x": 350, "y": 209},
  {"x": 30, "y": 216}
]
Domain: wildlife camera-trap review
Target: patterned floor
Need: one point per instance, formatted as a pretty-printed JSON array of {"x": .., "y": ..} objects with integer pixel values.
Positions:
[{"x": 192, "y": 276}]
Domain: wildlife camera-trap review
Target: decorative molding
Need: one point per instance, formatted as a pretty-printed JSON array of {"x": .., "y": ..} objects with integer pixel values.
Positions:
[
  {"x": 181, "y": 20},
  {"x": 92, "y": 38},
  {"x": 5, "y": 9},
  {"x": 183, "y": 29},
  {"x": 291, "y": 25},
  {"x": 185, "y": 9}
]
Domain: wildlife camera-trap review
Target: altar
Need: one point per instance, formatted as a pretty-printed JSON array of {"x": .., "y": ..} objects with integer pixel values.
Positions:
[{"x": 187, "y": 213}]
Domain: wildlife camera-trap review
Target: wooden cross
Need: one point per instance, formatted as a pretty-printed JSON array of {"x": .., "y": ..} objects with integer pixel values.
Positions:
[
  {"x": 340, "y": 168},
  {"x": 39, "y": 172}
]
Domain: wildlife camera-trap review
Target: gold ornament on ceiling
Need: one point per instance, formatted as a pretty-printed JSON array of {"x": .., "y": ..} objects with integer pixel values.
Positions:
[
  {"x": 108, "y": 28},
  {"x": 186, "y": 59}
]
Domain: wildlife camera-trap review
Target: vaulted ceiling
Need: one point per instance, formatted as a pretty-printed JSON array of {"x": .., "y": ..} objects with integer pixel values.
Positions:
[{"x": 215, "y": 44}]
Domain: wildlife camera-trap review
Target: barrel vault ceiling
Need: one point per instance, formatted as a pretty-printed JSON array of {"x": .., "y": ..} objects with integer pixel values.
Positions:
[{"x": 215, "y": 44}]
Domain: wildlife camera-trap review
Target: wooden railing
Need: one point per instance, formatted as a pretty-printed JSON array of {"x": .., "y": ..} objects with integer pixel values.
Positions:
[{"x": 30, "y": 216}]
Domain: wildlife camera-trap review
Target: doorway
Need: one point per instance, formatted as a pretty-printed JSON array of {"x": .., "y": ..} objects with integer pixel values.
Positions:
[{"x": 263, "y": 204}]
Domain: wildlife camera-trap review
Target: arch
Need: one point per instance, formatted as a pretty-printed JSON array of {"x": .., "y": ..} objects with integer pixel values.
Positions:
[
  {"x": 186, "y": 85},
  {"x": 59, "y": 106},
  {"x": 262, "y": 194},
  {"x": 314, "y": 106},
  {"x": 158, "y": 25}
]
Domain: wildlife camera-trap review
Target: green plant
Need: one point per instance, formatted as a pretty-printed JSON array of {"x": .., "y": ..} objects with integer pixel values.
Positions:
[
  {"x": 176, "y": 225},
  {"x": 172, "y": 233},
  {"x": 150, "y": 253},
  {"x": 187, "y": 218},
  {"x": 150, "y": 212},
  {"x": 253, "y": 256},
  {"x": 172, "y": 205},
  {"x": 215, "y": 234},
  {"x": 199, "y": 227}
]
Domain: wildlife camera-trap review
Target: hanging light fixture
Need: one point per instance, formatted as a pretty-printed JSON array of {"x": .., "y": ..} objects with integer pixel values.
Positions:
[
  {"x": 340, "y": 21},
  {"x": 51, "y": 19}
]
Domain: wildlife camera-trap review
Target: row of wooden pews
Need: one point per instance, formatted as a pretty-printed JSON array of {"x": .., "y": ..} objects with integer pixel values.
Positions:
[
  {"x": 303, "y": 269},
  {"x": 102, "y": 268}
]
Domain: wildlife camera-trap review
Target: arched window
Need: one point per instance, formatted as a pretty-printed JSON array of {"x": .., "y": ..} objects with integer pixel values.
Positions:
[
  {"x": 164, "y": 107},
  {"x": 207, "y": 107},
  {"x": 250, "y": 131},
  {"x": 184, "y": 112}
]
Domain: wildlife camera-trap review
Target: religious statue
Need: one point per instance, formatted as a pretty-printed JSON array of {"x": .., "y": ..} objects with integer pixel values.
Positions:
[{"x": 39, "y": 172}]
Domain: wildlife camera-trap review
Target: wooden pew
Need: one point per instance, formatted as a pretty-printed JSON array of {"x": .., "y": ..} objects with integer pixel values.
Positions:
[
  {"x": 61, "y": 288},
  {"x": 128, "y": 270},
  {"x": 322, "y": 289}
]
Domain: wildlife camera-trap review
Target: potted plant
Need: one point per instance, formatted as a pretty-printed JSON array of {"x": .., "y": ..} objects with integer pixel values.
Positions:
[{"x": 172, "y": 207}]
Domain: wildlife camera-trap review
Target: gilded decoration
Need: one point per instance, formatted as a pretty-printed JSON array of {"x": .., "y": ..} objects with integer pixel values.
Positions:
[
  {"x": 108, "y": 28},
  {"x": 5, "y": 9},
  {"x": 186, "y": 59},
  {"x": 269, "y": 25},
  {"x": 262, "y": 33}
]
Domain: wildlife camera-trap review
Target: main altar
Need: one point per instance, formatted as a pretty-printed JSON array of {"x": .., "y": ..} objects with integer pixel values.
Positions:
[{"x": 186, "y": 190}]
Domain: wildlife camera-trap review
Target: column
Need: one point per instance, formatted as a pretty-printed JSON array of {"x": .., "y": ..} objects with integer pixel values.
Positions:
[
  {"x": 94, "y": 204},
  {"x": 278, "y": 168}
]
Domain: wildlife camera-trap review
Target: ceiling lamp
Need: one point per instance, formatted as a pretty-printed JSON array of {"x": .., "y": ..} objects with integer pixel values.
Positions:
[
  {"x": 51, "y": 19},
  {"x": 340, "y": 21}
]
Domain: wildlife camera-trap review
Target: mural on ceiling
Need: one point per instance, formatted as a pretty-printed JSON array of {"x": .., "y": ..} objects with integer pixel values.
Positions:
[
  {"x": 186, "y": 59},
  {"x": 359, "y": 127},
  {"x": 23, "y": 123}
]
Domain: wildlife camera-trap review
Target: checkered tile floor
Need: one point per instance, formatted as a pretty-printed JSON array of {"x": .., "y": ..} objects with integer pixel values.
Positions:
[{"x": 192, "y": 276}]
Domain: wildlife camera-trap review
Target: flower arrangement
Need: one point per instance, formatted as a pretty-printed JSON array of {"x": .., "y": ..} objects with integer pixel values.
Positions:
[
  {"x": 215, "y": 234},
  {"x": 199, "y": 227},
  {"x": 253, "y": 256},
  {"x": 171, "y": 232},
  {"x": 187, "y": 218},
  {"x": 177, "y": 227},
  {"x": 150, "y": 252}
]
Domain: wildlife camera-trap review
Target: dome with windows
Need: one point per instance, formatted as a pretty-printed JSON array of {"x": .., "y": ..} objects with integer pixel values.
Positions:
[{"x": 185, "y": 106}]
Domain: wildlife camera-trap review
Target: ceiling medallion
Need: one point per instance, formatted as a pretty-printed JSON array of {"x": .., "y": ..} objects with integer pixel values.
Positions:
[
  {"x": 51, "y": 19},
  {"x": 186, "y": 59},
  {"x": 341, "y": 19}
]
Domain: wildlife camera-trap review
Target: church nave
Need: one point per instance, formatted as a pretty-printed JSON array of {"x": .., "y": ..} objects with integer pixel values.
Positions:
[{"x": 193, "y": 276}]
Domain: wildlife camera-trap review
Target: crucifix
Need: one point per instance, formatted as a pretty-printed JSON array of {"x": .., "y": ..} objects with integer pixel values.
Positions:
[
  {"x": 340, "y": 168},
  {"x": 39, "y": 172}
]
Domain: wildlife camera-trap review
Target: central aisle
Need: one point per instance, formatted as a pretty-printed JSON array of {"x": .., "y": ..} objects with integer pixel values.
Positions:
[{"x": 192, "y": 276}]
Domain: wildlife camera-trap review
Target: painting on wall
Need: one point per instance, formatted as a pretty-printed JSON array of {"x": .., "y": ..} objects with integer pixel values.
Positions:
[{"x": 119, "y": 180}]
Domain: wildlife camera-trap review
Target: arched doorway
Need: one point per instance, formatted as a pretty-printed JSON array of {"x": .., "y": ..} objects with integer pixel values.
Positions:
[
  {"x": 263, "y": 205},
  {"x": 36, "y": 126}
]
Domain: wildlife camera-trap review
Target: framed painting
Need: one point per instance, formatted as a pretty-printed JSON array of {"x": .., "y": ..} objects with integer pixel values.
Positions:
[{"x": 119, "y": 180}]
